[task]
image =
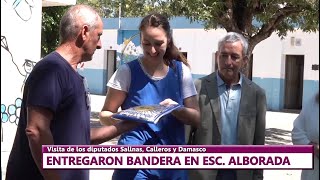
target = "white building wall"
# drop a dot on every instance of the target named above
(20, 40)
(269, 55)
(49, 3)
(20, 35)
(200, 46)
(109, 42)
(309, 47)
(267, 58)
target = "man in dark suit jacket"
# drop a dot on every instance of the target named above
(232, 108)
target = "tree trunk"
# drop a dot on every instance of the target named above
(247, 68)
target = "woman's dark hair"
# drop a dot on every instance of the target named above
(160, 21)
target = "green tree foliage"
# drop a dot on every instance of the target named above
(255, 19)
(127, 8)
(51, 17)
(107, 8)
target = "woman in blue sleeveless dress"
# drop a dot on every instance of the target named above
(160, 76)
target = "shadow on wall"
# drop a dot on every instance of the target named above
(276, 136)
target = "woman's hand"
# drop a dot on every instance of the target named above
(188, 114)
(168, 102)
(114, 99)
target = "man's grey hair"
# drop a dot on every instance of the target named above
(232, 37)
(74, 19)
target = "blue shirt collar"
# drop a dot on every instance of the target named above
(221, 82)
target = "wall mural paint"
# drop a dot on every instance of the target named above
(23, 8)
(27, 66)
(10, 113)
(128, 51)
(17, 54)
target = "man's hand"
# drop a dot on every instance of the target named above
(315, 148)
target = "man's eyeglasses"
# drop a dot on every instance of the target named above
(87, 93)
(234, 57)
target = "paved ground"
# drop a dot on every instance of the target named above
(278, 132)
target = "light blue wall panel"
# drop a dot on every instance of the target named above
(197, 76)
(309, 89)
(274, 89)
(97, 80)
